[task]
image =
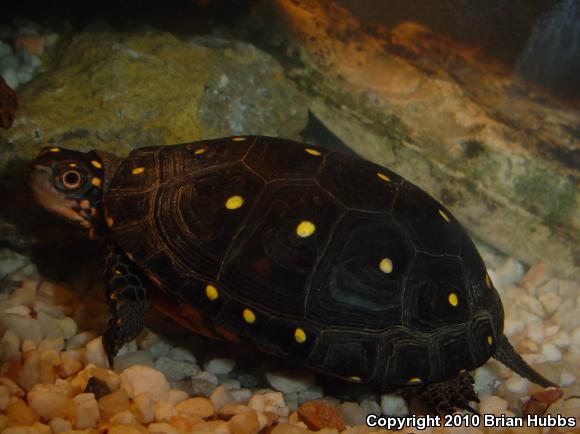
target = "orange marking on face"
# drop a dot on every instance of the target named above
(85, 204)
(96, 182)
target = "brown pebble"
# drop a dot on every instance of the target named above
(97, 387)
(29, 374)
(20, 414)
(540, 401)
(320, 414)
(245, 423)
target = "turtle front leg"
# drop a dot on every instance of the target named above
(451, 395)
(128, 300)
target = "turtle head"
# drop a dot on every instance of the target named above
(71, 184)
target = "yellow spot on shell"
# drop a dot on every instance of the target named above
(249, 316)
(354, 378)
(490, 340)
(54, 149)
(386, 265)
(72, 165)
(453, 300)
(445, 216)
(239, 139)
(487, 280)
(199, 151)
(305, 229)
(313, 151)
(234, 202)
(415, 380)
(110, 221)
(211, 292)
(138, 170)
(300, 335)
(96, 164)
(96, 182)
(383, 177)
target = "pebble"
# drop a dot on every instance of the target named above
(221, 397)
(176, 395)
(164, 411)
(320, 414)
(219, 365)
(20, 414)
(113, 403)
(144, 408)
(70, 363)
(10, 346)
(290, 381)
(23, 326)
(162, 428)
(127, 428)
(124, 417)
(29, 373)
(352, 413)
(550, 301)
(68, 327)
(394, 405)
(50, 401)
(56, 344)
(4, 397)
(139, 379)
(181, 354)
(198, 406)
(95, 353)
(241, 395)
(133, 358)
(176, 370)
(59, 425)
(86, 411)
(80, 340)
(492, 405)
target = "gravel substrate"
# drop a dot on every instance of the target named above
(55, 376)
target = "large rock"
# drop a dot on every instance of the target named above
(116, 92)
(501, 154)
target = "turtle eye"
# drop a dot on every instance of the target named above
(71, 179)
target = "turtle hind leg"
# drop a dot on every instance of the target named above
(128, 300)
(451, 395)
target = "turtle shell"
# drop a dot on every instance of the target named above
(315, 256)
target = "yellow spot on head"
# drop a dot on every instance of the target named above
(414, 380)
(453, 300)
(72, 165)
(445, 216)
(386, 265)
(109, 221)
(138, 170)
(305, 229)
(487, 280)
(234, 202)
(383, 177)
(199, 151)
(54, 149)
(96, 182)
(211, 292)
(354, 378)
(118, 272)
(239, 139)
(96, 164)
(300, 335)
(85, 204)
(313, 151)
(490, 340)
(249, 316)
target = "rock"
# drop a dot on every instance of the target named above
(181, 354)
(59, 425)
(270, 401)
(111, 404)
(80, 340)
(20, 414)
(198, 406)
(319, 414)
(219, 365)
(10, 347)
(290, 381)
(127, 428)
(70, 363)
(248, 380)
(29, 373)
(164, 411)
(231, 384)
(352, 413)
(551, 302)
(12, 386)
(286, 428)
(86, 410)
(492, 405)
(50, 325)
(111, 378)
(175, 370)
(394, 405)
(47, 344)
(139, 379)
(4, 397)
(176, 396)
(221, 397)
(144, 408)
(95, 353)
(127, 360)
(97, 387)
(50, 401)
(245, 423)
(311, 394)
(161, 428)
(24, 327)
(241, 395)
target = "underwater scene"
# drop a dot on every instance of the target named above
(290, 217)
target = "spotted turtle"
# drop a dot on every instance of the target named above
(311, 255)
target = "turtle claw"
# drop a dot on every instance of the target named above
(449, 396)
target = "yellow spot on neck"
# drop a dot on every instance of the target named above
(453, 300)
(249, 316)
(199, 151)
(96, 164)
(383, 177)
(490, 340)
(85, 204)
(138, 170)
(305, 229)
(415, 380)
(234, 202)
(110, 221)
(386, 265)
(444, 215)
(239, 139)
(96, 182)
(54, 149)
(313, 152)
(354, 378)
(300, 335)
(487, 280)
(211, 292)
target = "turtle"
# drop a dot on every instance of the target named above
(315, 256)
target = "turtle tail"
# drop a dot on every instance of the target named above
(506, 354)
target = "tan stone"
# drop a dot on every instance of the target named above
(127, 429)
(198, 406)
(113, 403)
(20, 414)
(320, 414)
(50, 401)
